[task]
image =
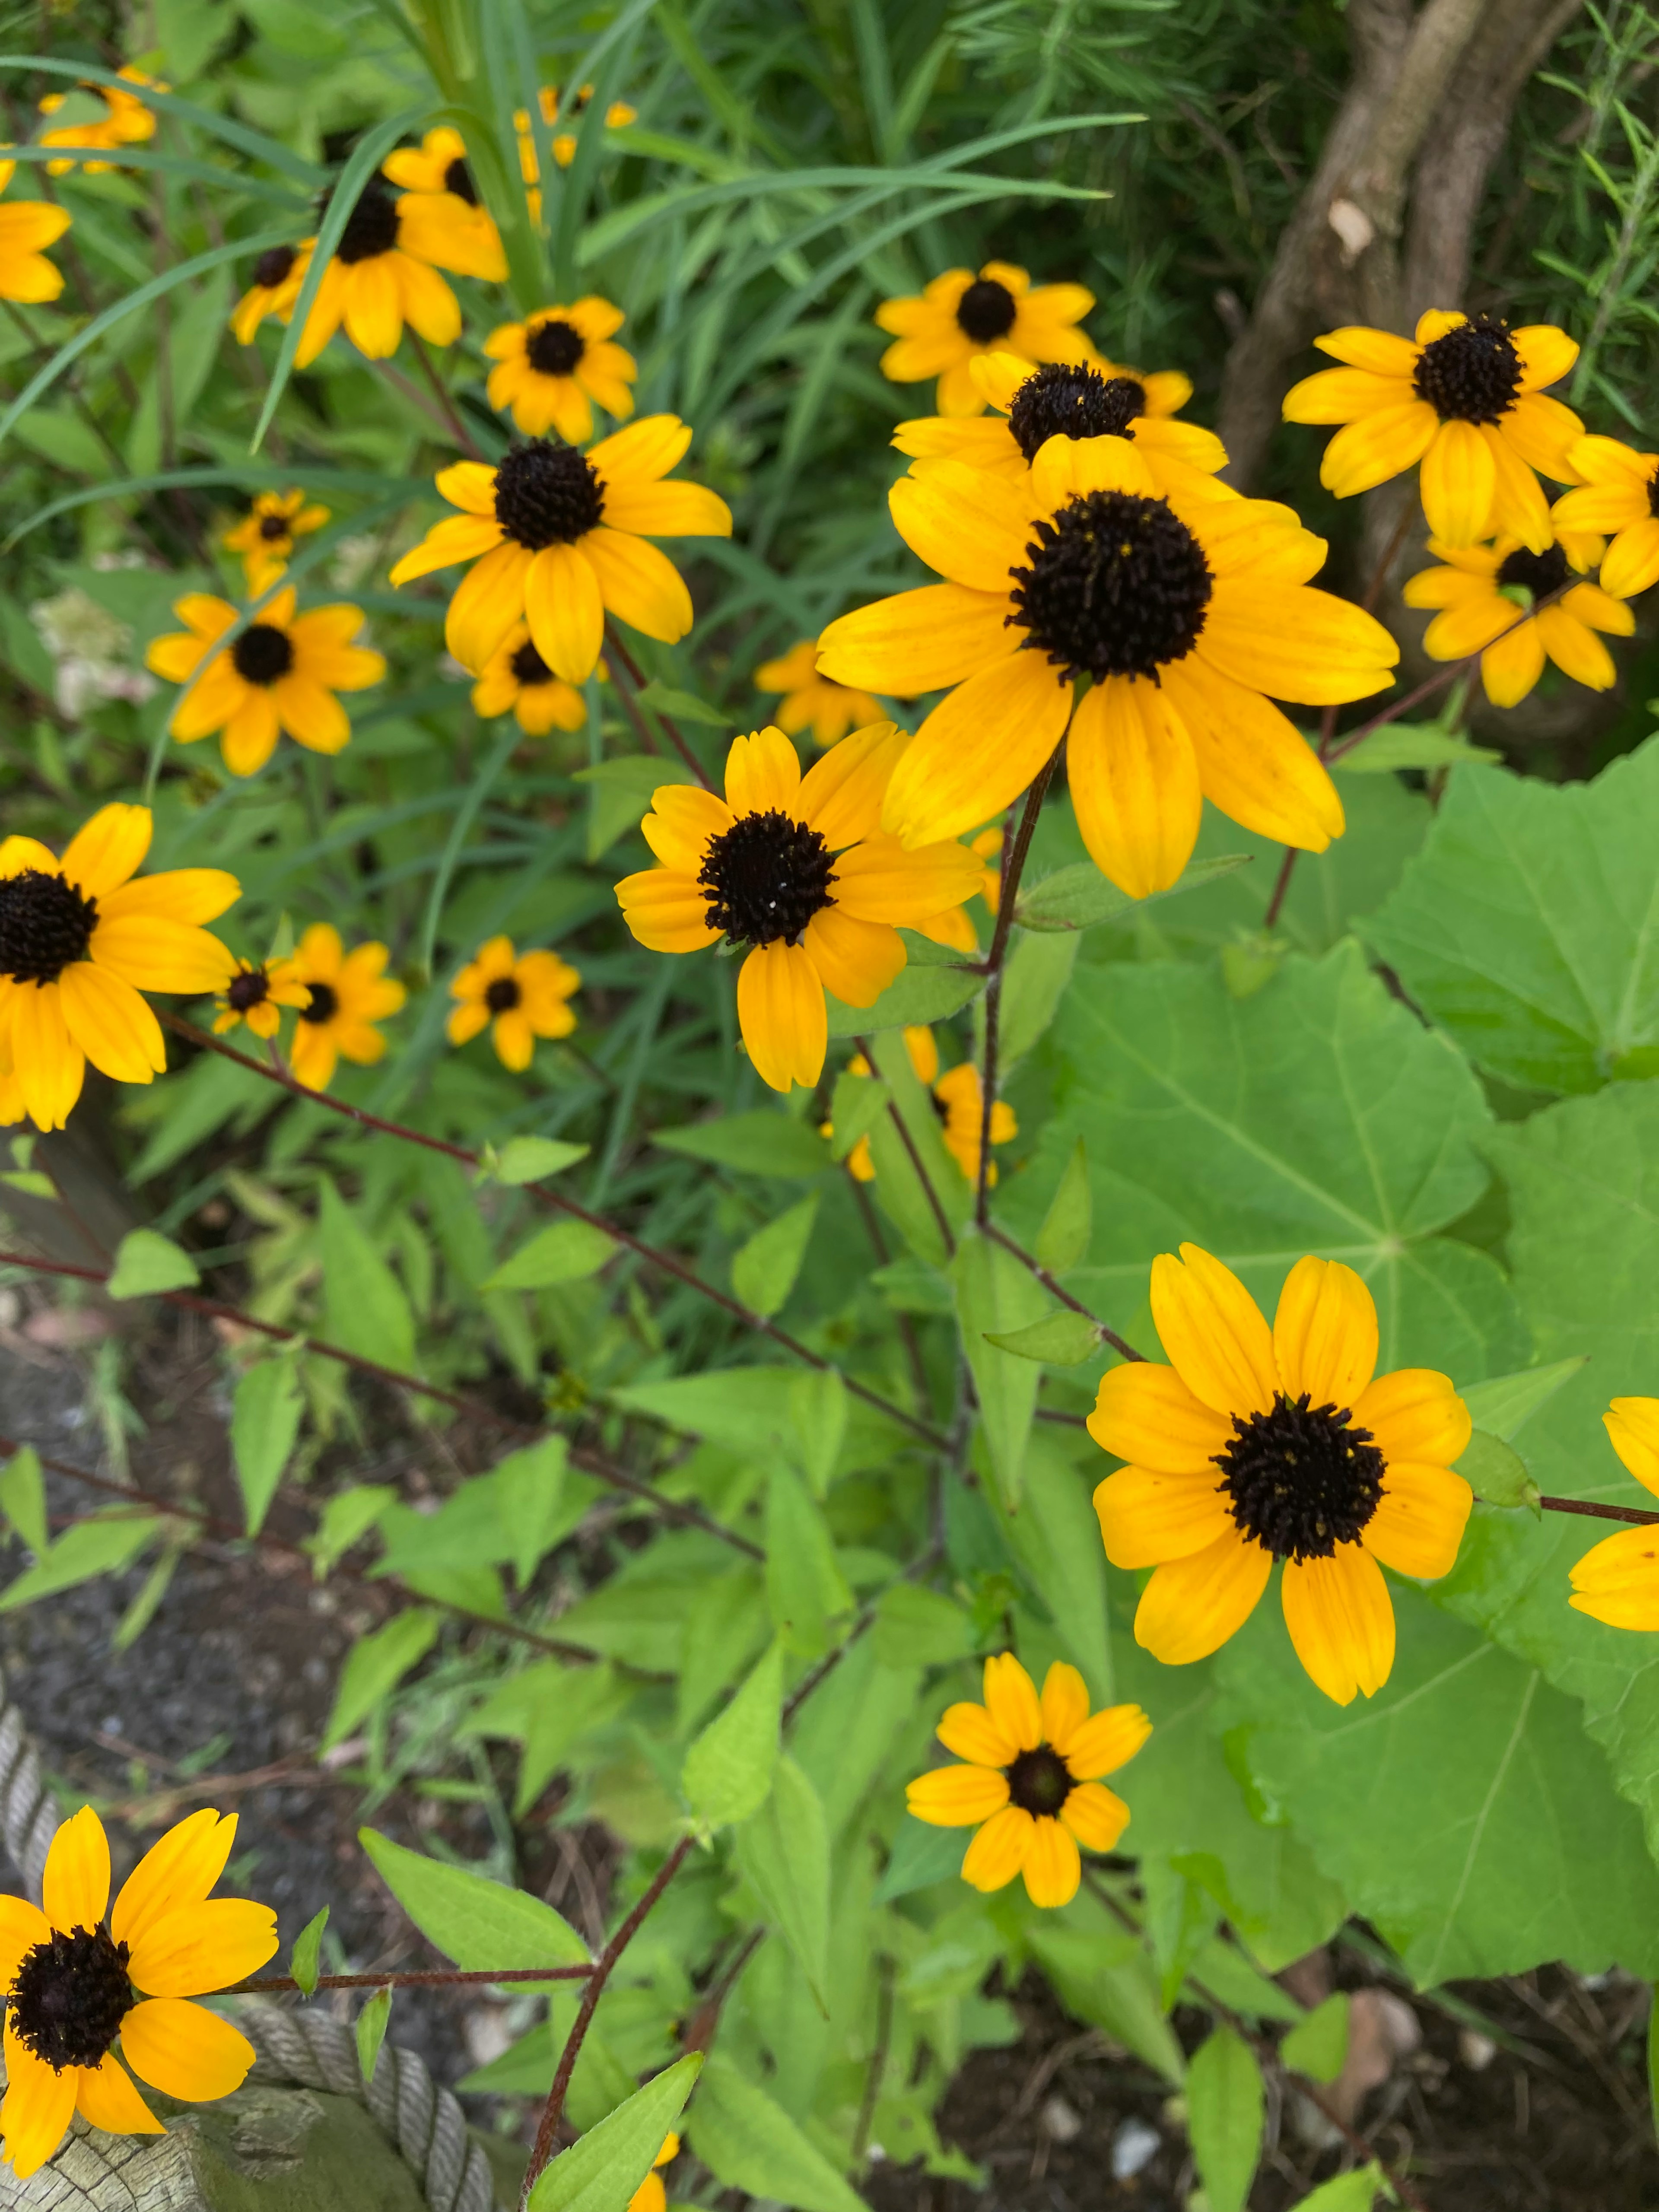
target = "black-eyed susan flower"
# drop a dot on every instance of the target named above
(1032, 1783)
(562, 540)
(958, 1100)
(515, 680)
(517, 996)
(1619, 495)
(277, 276)
(1185, 613)
(384, 272)
(812, 702)
(281, 673)
(1484, 590)
(254, 995)
(1072, 399)
(616, 116)
(79, 938)
(796, 869)
(79, 1977)
(1617, 1581)
(651, 2196)
(941, 331)
(125, 121)
(1258, 1445)
(346, 994)
(1466, 397)
(552, 367)
(26, 226)
(264, 536)
(437, 169)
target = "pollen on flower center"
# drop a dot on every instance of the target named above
(548, 493)
(1301, 1480)
(262, 654)
(45, 925)
(765, 878)
(325, 1004)
(457, 178)
(1472, 374)
(986, 310)
(1039, 1781)
(1540, 573)
(274, 266)
(248, 989)
(371, 227)
(273, 526)
(1118, 586)
(555, 347)
(528, 667)
(1062, 401)
(70, 1997)
(502, 994)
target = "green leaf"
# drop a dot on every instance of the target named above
(1224, 2118)
(749, 2143)
(102, 1544)
(1357, 2192)
(784, 1852)
(620, 793)
(752, 1410)
(1079, 897)
(1035, 983)
(1318, 2045)
(996, 1296)
(347, 1519)
(1496, 1473)
(818, 1410)
(901, 1166)
(476, 1922)
(548, 1708)
(1504, 1406)
(146, 1263)
(1061, 1338)
(1055, 1538)
(141, 1611)
(23, 1499)
(564, 1252)
(855, 1105)
(763, 1270)
(530, 1160)
(761, 1142)
(681, 707)
(603, 2169)
(1063, 1239)
(375, 1665)
(728, 1769)
(917, 1627)
(931, 986)
(529, 1488)
(804, 1586)
(1407, 744)
(1103, 1975)
(304, 1962)
(922, 1855)
(264, 1425)
(372, 2024)
(366, 1310)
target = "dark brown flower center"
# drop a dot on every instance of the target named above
(262, 654)
(324, 1004)
(248, 989)
(371, 227)
(1540, 573)
(1064, 401)
(1039, 1781)
(528, 667)
(70, 1997)
(1472, 374)
(765, 878)
(555, 347)
(457, 178)
(548, 493)
(1300, 1479)
(503, 995)
(1117, 586)
(1653, 493)
(985, 311)
(274, 267)
(273, 526)
(45, 926)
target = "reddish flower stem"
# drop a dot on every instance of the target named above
(619, 653)
(1123, 1349)
(1594, 1511)
(1013, 868)
(435, 1978)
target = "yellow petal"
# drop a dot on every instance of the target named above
(1324, 1334)
(185, 2050)
(878, 881)
(957, 1796)
(973, 528)
(665, 910)
(1458, 480)
(1135, 785)
(1011, 1699)
(1052, 1868)
(1617, 1582)
(999, 1850)
(978, 750)
(111, 847)
(74, 1888)
(640, 583)
(1064, 1702)
(840, 796)
(1146, 1518)
(202, 1946)
(1575, 648)
(643, 451)
(1419, 1519)
(1546, 354)
(457, 537)
(1191, 1607)
(153, 952)
(919, 641)
(1295, 642)
(192, 894)
(682, 820)
(1368, 453)
(469, 485)
(763, 774)
(1510, 667)
(488, 601)
(1212, 1330)
(1096, 1816)
(1415, 1414)
(1632, 1427)
(969, 1731)
(116, 1031)
(1341, 1621)
(1063, 468)
(1519, 508)
(106, 2098)
(38, 2105)
(1383, 352)
(780, 1012)
(1145, 1413)
(23, 1925)
(1345, 395)
(856, 961)
(565, 610)
(1631, 565)
(1107, 1741)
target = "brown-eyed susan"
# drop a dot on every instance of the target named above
(1186, 614)
(79, 1977)
(1485, 594)
(437, 168)
(1072, 399)
(812, 702)
(278, 274)
(281, 673)
(1032, 1785)
(517, 996)
(126, 120)
(515, 680)
(942, 331)
(254, 995)
(1257, 1445)
(558, 540)
(958, 1100)
(552, 367)
(26, 226)
(384, 272)
(651, 2196)
(346, 994)
(264, 536)
(1617, 1581)
(79, 938)
(1617, 494)
(796, 868)
(1467, 397)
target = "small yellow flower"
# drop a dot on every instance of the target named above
(516, 680)
(551, 367)
(126, 121)
(1617, 1581)
(518, 996)
(941, 331)
(1032, 1783)
(254, 995)
(617, 115)
(264, 536)
(1485, 589)
(651, 2196)
(437, 169)
(346, 994)
(281, 673)
(384, 272)
(78, 1977)
(958, 1100)
(25, 225)
(1619, 493)
(277, 276)
(812, 702)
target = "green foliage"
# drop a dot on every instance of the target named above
(146, 1263)
(1224, 2118)
(728, 1769)
(264, 1426)
(747, 2142)
(474, 1923)
(305, 1959)
(601, 2172)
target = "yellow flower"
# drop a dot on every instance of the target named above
(551, 366)
(958, 1100)
(24, 227)
(264, 536)
(1483, 589)
(518, 996)
(1465, 397)
(78, 1976)
(126, 121)
(1319, 1466)
(281, 674)
(651, 2196)
(1072, 399)
(516, 680)
(1618, 1580)
(956, 928)
(1032, 1785)
(79, 939)
(346, 993)
(562, 540)
(812, 702)
(1185, 613)
(385, 272)
(618, 114)
(277, 276)
(253, 996)
(437, 170)
(795, 868)
(941, 331)
(1620, 493)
